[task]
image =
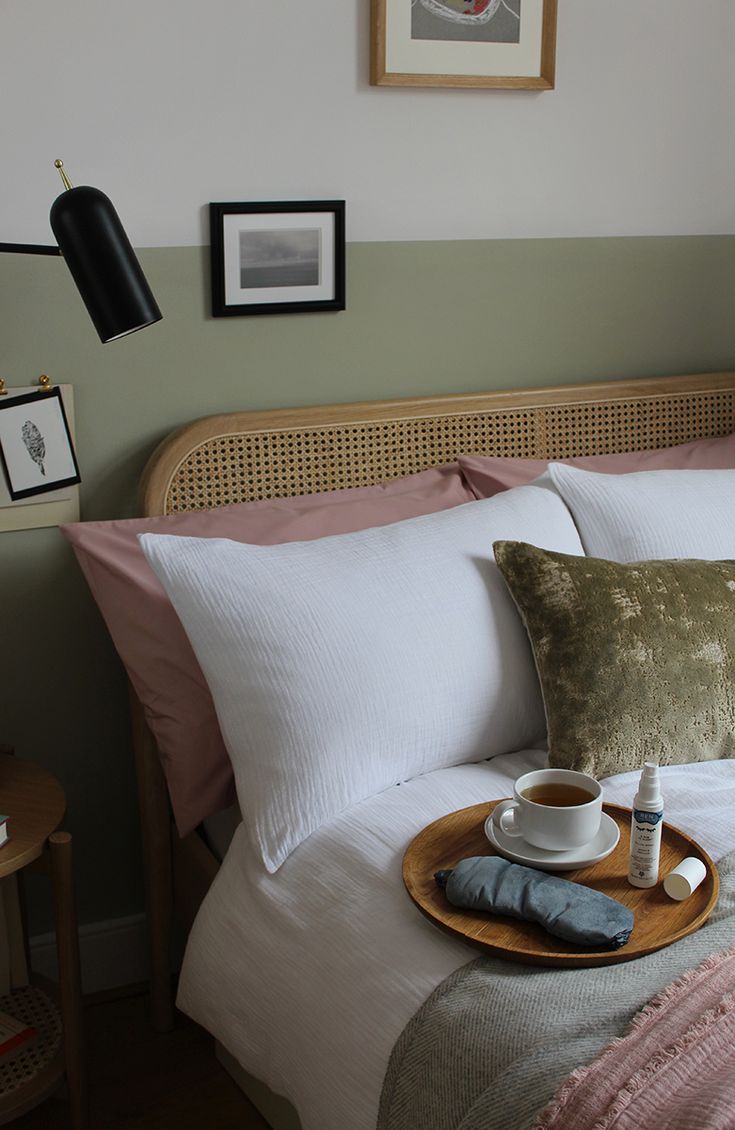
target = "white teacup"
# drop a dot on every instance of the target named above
(554, 809)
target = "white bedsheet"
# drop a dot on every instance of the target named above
(308, 976)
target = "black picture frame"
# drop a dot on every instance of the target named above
(277, 257)
(35, 441)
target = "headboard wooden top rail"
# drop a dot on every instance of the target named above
(243, 456)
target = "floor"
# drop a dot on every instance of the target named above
(149, 1081)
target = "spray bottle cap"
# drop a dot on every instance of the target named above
(649, 789)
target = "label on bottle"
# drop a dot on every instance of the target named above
(645, 846)
(642, 817)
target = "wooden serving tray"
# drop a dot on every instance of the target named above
(659, 920)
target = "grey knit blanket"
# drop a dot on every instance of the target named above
(494, 1041)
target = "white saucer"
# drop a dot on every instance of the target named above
(517, 850)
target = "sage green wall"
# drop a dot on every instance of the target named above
(422, 318)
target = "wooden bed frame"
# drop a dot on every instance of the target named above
(243, 456)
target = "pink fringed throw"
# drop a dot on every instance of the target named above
(674, 1068)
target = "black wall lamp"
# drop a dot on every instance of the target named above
(101, 259)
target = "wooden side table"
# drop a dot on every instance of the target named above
(35, 804)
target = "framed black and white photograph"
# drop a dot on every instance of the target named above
(35, 444)
(277, 258)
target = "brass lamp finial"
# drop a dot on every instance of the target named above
(59, 164)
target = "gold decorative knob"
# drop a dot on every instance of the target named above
(59, 164)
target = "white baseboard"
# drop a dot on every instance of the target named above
(112, 953)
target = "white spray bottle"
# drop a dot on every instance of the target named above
(645, 829)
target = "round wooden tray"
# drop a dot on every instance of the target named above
(659, 920)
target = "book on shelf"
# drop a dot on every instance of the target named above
(4, 833)
(15, 1036)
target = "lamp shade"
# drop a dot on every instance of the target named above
(102, 262)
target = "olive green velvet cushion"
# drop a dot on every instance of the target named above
(636, 661)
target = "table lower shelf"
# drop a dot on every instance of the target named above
(35, 1072)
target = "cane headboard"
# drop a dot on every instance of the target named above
(244, 456)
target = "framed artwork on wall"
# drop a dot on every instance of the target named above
(36, 445)
(506, 44)
(277, 258)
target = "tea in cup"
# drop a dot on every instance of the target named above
(553, 809)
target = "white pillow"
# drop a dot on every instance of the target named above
(650, 515)
(341, 666)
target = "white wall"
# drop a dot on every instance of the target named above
(168, 104)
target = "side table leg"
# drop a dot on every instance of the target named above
(70, 981)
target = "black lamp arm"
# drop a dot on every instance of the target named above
(30, 249)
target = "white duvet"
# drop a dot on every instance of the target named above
(308, 976)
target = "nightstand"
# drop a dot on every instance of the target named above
(35, 804)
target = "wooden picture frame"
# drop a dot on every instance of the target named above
(499, 44)
(282, 257)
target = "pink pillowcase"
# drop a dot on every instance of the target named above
(152, 643)
(488, 474)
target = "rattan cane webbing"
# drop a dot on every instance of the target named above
(240, 467)
(31, 1006)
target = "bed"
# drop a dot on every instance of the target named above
(351, 960)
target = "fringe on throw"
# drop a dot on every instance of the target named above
(639, 1026)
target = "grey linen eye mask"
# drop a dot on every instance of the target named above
(567, 910)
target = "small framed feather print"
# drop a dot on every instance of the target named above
(36, 445)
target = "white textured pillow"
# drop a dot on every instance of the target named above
(341, 666)
(651, 514)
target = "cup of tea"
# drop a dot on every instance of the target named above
(554, 809)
